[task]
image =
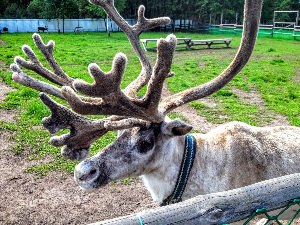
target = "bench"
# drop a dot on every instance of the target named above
(211, 42)
(180, 41)
(78, 29)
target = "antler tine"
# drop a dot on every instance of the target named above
(83, 131)
(165, 51)
(58, 76)
(144, 24)
(113, 101)
(133, 33)
(47, 51)
(252, 12)
(104, 83)
(124, 123)
(22, 78)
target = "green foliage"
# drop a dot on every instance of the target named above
(49, 9)
(90, 10)
(200, 10)
(14, 11)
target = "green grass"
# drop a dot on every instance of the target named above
(271, 71)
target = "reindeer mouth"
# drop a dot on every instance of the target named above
(88, 176)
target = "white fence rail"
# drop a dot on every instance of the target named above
(31, 25)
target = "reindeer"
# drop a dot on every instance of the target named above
(149, 144)
(45, 28)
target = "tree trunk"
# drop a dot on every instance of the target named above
(221, 20)
(58, 27)
(63, 24)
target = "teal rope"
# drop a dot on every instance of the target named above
(141, 220)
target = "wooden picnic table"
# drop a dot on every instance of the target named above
(211, 42)
(189, 42)
(180, 41)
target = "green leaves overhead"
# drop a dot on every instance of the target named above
(200, 10)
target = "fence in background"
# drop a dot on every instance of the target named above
(31, 25)
(264, 30)
(71, 25)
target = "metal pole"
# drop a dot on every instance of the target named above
(273, 23)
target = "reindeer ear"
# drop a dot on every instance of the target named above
(175, 128)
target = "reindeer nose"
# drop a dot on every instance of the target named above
(86, 172)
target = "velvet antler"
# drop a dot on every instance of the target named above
(103, 96)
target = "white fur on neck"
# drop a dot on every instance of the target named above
(161, 182)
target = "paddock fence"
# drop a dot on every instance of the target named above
(284, 32)
(237, 206)
(31, 25)
(93, 25)
(86, 25)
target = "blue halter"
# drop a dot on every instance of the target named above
(184, 172)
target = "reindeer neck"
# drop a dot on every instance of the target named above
(161, 181)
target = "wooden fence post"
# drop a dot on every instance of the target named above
(220, 208)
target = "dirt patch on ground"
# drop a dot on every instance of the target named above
(4, 90)
(55, 199)
(199, 123)
(8, 116)
(254, 98)
(6, 142)
(2, 43)
(296, 78)
(3, 67)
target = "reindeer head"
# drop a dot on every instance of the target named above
(137, 151)
(142, 122)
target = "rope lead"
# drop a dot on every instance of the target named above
(140, 219)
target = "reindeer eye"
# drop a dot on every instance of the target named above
(145, 145)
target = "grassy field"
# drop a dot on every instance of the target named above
(273, 71)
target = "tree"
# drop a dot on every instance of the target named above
(14, 11)
(53, 9)
(87, 9)
(13, 8)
